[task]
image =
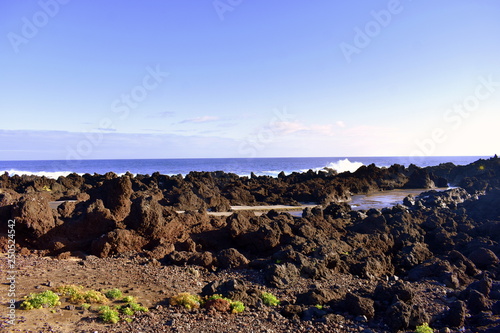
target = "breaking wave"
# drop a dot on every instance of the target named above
(342, 166)
(47, 174)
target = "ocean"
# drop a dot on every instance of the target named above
(239, 166)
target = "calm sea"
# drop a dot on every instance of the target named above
(240, 166)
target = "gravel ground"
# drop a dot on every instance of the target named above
(153, 284)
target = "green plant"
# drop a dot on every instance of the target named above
(85, 306)
(72, 292)
(186, 300)
(127, 311)
(237, 307)
(269, 299)
(129, 320)
(319, 306)
(76, 294)
(129, 299)
(108, 315)
(424, 328)
(37, 301)
(216, 296)
(93, 296)
(114, 293)
(138, 307)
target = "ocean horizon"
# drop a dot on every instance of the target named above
(268, 166)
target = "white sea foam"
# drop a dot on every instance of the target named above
(47, 174)
(340, 166)
(345, 165)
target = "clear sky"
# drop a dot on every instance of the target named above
(248, 78)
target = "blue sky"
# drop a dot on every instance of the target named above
(238, 78)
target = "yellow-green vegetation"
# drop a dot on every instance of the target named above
(129, 309)
(46, 188)
(424, 328)
(186, 300)
(126, 306)
(129, 299)
(319, 306)
(108, 315)
(114, 293)
(77, 294)
(236, 306)
(269, 299)
(137, 307)
(40, 300)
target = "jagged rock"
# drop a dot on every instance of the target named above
(315, 297)
(484, 258)
(115, 193)
(312, 313)
(398, 316)
(117, 241)
(360, 306)
(239, 223)
(420, 178)
(281, 276)
(291, 311)
(234, 289)
(455, 316)
(231, 258)
(97, 220)
(33, 216)
(476, 302)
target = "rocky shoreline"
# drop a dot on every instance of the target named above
(433, 259)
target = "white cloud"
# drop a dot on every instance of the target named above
(203, 119)
(341, 124)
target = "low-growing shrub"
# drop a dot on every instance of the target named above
(72, 292)
(76, 294)
(237, 307)
(93, 296)
(40, 300)
(127, 311)
(424, 328)
(234, 306)
(137, 307)
(129, 299)
(108, 315)
(269, 299)
(186, 300)
(114, 293)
